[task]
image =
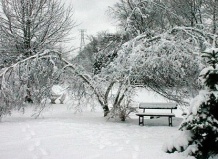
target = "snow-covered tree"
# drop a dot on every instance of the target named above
(100, 51)
(167, 63)
(149, 16)
(165, 37)
(200, 128)
(108, 91)
(41, 70)
(31, 26)
(137, 17)
(190, 11)
(211, 8)
(107, 50)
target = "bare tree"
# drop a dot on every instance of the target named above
(29, 26)
(211, 9)
(140, 16)
(189, 10)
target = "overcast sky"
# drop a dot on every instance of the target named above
(90, 14)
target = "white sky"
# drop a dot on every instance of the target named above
(90, 14)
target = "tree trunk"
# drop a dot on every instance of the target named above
(105, 107)
(214, 16)
(106, 110)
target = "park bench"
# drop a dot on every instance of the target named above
(164, 106)
(56, 96)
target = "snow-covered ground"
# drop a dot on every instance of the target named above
(62, 134)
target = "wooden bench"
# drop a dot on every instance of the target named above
(54, 97)
(169, 106)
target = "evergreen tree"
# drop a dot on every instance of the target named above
(201, 125)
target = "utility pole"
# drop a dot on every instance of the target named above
(82, 42)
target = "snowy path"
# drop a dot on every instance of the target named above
(62, 134)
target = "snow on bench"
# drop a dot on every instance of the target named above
(61, 97)
(144, 106)
(54, 97)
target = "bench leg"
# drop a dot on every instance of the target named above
(53, 101)
(170, 121)
(141, 120)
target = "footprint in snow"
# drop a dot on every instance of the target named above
(119, 149)
(37, 143)
(29, 133)
(115, 144)
(24, 129)
(35, 157)
(136, 148)
(37, 151)
(135, 155)
(101, 147)
(32, 133)
(28, 137)
(31, 148)
(127, 141)
(44, 152)
(35, 147)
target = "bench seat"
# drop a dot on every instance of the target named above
(155, 114)
(159, 106)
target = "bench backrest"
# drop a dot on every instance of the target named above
(157, 106)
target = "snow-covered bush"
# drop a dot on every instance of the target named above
(32, 77)
(201, 125)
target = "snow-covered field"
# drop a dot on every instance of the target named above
(61, 134)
